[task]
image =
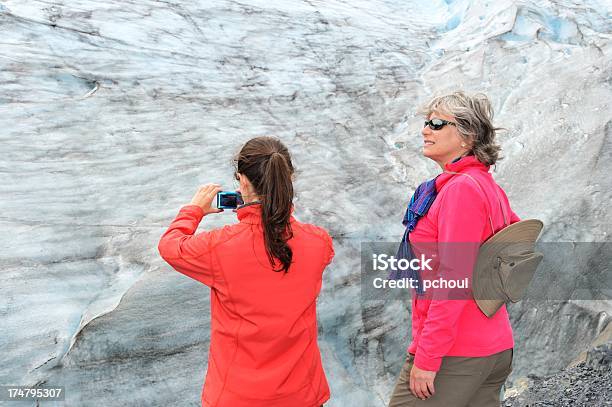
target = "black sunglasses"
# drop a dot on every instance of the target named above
(437, 124)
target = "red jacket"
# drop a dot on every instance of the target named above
(459, 214)
(263, 344)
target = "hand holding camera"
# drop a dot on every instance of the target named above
(205, 196)
(209, 193)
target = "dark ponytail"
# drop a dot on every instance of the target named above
(267, 164)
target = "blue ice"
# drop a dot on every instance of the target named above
(530, 23)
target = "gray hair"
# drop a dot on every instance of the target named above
(474, 115)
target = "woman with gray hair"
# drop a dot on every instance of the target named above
(458, 356)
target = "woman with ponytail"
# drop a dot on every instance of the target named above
(265, 274)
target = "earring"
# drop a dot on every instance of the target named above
(462, 144)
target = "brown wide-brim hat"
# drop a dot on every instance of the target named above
(506, 264)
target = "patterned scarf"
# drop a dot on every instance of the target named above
(418, 206)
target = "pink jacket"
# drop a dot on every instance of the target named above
(459, 214)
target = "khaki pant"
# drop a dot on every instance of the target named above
(461, 382)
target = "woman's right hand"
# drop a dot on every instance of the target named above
(204, 197)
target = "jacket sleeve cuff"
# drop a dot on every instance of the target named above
(425, 363)
(194, 210)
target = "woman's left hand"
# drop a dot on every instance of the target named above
(204, 197)
(422, 382)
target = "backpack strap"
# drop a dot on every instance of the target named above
(506, 223)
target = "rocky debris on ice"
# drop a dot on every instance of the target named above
(586, 384)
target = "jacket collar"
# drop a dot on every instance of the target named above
(464, 164)
(251, 213)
